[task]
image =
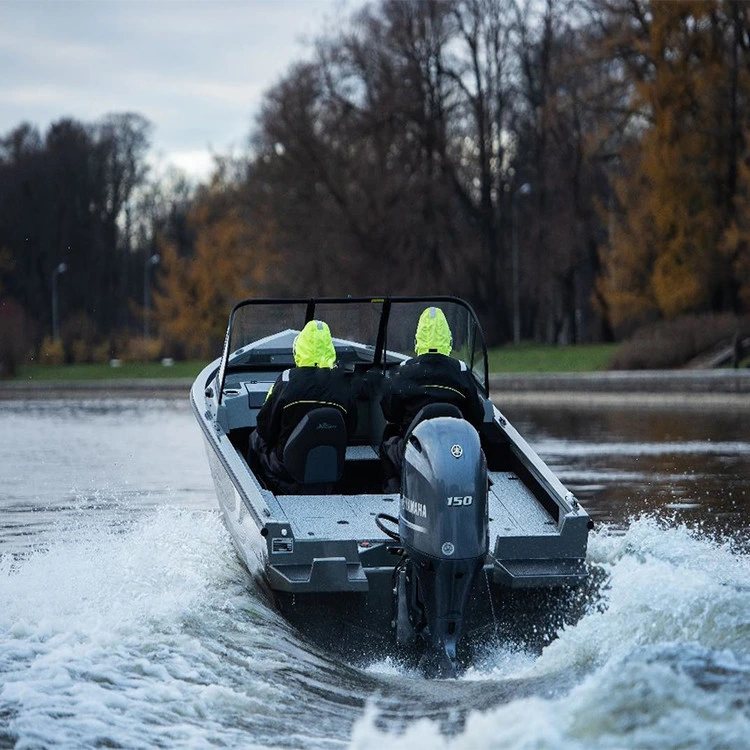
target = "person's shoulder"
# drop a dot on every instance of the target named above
(444, 361)
(323, 375)
(286, 376)
(338, 375)
(404, 366)
(281, 380)
(297, 377)
(462, 366)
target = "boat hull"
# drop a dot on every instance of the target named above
(328, 567)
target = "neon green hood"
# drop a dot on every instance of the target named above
(433, 333)
(313, 346)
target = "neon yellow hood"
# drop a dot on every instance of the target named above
(433, 333)
(313, 346)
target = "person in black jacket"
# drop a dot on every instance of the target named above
(313, 383)
(432, 376)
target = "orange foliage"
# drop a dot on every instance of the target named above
(666, 255)
(230, 262)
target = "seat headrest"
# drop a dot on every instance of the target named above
(316, 449)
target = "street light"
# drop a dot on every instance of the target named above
(147, 266)
(524, 189)
(59, 268)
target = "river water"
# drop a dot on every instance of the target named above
(126, 619)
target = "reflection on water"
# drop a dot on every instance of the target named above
(73, 457)
(61, 461)
(693, 466)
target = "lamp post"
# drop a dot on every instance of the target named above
(59, 268)
(524, 189)
(147, 266)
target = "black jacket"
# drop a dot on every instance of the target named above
(298, 391)
(427, 379)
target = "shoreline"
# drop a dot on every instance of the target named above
(634, 401)
(642, 389)
(628, 381)
(631, 389)
(172, 388)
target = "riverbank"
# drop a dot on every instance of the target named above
(668, 388)
(723, 388)
(165, 388)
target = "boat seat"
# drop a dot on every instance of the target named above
(315, 452)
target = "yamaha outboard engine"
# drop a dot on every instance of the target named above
(443, 527)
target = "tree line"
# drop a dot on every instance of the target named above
(574, 169)
(79, 216)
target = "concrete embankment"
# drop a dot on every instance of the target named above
(680, 388)
(176, 388)
(644, 388)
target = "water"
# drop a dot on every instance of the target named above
(127, 621)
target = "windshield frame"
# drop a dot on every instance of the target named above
(380, 349)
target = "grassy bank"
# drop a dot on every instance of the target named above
(522, 358)
(126, 371)
(536, 358)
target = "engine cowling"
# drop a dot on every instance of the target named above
(443, 526)
(443, 510)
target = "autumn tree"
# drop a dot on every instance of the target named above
(675, 246)
(231, 259)
(349, 150)
(396, 155)
(557, 157)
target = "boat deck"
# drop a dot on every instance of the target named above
(513, 511)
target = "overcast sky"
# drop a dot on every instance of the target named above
(196, 69)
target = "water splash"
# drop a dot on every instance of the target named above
(113, 638)
(150, 633)
(663, 658)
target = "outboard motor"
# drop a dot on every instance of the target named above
(443, 527)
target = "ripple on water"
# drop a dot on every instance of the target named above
(133, 624)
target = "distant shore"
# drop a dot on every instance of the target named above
(721, 388)
(651, 389)
(165, 388)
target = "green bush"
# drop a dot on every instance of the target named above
(139, 349)
(51, 352)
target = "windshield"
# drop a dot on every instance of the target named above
(366, 331)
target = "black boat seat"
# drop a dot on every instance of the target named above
(315, 452)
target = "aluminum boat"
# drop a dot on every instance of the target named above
(426, 573)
